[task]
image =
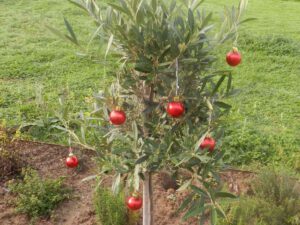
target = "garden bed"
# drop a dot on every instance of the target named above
(49, 161)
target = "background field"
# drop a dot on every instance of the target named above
(36, 68)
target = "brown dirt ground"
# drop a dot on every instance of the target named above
(49, 159)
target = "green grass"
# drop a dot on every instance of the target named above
(264, 124)
(274, 17)
(34, 61)
(269, 101)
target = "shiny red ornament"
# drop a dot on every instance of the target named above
(134, 202)
(72, 161)
(233, 57)
(117, 116)
(208, 143)
(175, 108)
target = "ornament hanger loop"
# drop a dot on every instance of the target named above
(118, 88)
(70, 142)
(235, 43)
(177, 76)
(210, 115)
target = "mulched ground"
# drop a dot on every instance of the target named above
(49, 160)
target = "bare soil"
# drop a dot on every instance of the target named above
(49, 160)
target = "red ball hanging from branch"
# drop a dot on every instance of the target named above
(233, 57)
(175, 108)
(134, 202)
(208, 143)
(72, 161)
(117, 116)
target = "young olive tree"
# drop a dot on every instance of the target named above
(169, 93)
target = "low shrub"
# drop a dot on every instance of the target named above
(110, 209)
(37, 197)
(275, 201)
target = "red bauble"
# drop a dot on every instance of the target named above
(134, 202)
(117, 116)
(233, 58)
(72, 161)
(175, 108)
(208, 143)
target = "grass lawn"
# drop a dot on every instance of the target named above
(36, 68)
(35, 63)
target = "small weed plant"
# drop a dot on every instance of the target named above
(37, 197)
(110, 208)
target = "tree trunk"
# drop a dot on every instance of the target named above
(147, 199)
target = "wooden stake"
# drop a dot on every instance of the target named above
(147, 199)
